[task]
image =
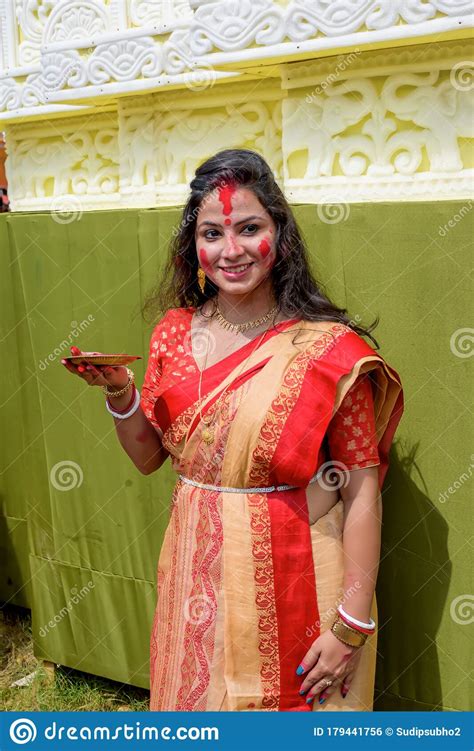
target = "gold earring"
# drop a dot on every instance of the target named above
(201, 278)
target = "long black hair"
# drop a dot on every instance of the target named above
(296, 292)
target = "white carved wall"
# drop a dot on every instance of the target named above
(116, 102)
(386, 126)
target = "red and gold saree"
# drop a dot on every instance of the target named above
(245, 582)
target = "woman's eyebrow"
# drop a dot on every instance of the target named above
(241, 221)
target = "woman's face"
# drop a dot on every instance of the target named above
(235, 239)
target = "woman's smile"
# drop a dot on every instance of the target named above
(236, 272)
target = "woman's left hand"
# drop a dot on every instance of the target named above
(328, 658)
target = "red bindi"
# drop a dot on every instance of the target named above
(264, 248)
(227, 221)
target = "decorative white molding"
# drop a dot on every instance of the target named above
(232, 26)
(364, 123)
(179, 38)
(76, 20)
(115, 112)
(418, 58)
(337, 191)
(444, 113)
(53, 162)
(159, 13)
(153, 148)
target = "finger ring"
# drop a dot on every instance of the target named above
(328, 683)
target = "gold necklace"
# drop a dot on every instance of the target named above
(238, 327)
(208, 432)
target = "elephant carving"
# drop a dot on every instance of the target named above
(444, 111)
(313, 123)
(184, 145)
(37, 163)
(138, 151)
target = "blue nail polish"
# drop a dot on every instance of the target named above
(300, 670)
(301, 693)
(309, 699)
(322, 699)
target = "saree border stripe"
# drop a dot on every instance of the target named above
(175, 434)
(199, 634)
(217, 692)
(180, 641)
(242, 657)
(260, 528)
(161, 644)
(295, 590)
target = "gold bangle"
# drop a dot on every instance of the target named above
(346, 634)
(131, 378)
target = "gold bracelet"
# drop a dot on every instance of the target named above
(346, 634)
(131, 379)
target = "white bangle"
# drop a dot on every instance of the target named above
(131, 411)
(354, 621)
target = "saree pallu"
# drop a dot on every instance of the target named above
(245, 582)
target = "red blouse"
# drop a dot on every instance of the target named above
(350, 438)
(351, 434)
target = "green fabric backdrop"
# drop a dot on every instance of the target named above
(84, 559)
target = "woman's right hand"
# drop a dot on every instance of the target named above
(114, 376)
(137, 435)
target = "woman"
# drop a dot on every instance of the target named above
(278, 417)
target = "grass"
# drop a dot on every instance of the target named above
(69, 690)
